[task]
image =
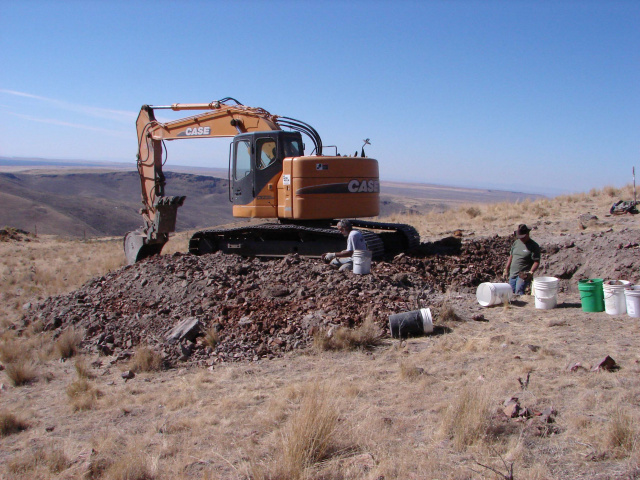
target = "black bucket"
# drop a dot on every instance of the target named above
(411, 324)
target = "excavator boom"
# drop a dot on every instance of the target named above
(159, 211)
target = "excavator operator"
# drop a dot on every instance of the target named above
(355, 241)
(267, 155)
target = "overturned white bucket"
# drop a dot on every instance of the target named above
(361, 262)
(546, 292)
(632, 295)
(493, 293)
(615, 302)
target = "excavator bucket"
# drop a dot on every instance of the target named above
(136, 247)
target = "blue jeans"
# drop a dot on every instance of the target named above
(345, 263)
(518, 285)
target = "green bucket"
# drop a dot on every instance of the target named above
(591, 295)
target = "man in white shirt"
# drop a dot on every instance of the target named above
(355, 241)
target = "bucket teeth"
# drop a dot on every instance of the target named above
(138, 247)
(172, 200)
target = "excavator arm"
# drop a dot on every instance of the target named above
(221, 119)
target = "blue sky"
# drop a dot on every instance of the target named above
(531, 96)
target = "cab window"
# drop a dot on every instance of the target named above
(266, 148)
(242, 163)
(292, 148)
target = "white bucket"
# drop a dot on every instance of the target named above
(614, 299)
(632, 294)
(361, 262)
(493, 293)
(546, 292)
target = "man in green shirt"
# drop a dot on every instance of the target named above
(523, 261)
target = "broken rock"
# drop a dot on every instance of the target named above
(607, 363)
(576, 367)
(512, 410)
(187, 329)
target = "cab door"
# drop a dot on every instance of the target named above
(268, 168)
(242, 172)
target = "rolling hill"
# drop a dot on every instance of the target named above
(94, 202)
(99, 204)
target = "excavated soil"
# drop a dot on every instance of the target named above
(262, 309)
(15, 234)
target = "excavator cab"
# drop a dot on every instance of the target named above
(255, 166)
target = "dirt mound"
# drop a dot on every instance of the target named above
(15, 234)
(608, 255)
(259, 308)
(263, 308)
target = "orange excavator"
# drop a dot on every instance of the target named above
(270, 177)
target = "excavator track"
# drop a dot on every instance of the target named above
(278, 240)
(396, 237)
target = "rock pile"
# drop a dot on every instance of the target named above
(14, 234)
(257, 308)
(606, 254)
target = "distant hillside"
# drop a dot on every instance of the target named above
(98, 204)
(93, 202)
(417, 197)
(28, 162)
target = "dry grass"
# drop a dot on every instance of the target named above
(83, 370)
(130, 466)
(67, 344)
(145, 360)
(503, 217)
(40, 462)
(539, 211)
(50, 266)
(611, 191)
(367, 335)
(21, 372)
(467, 420)
(473, 212)
(621, 433)
(408, 371)
(11, 350)
(448, 315)
(212, 337)
(118, 458)
(310, 435)
(83, 395)
(10, 424)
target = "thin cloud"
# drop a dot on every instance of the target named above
(53, 121)
(117, 115)
(21, 94)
